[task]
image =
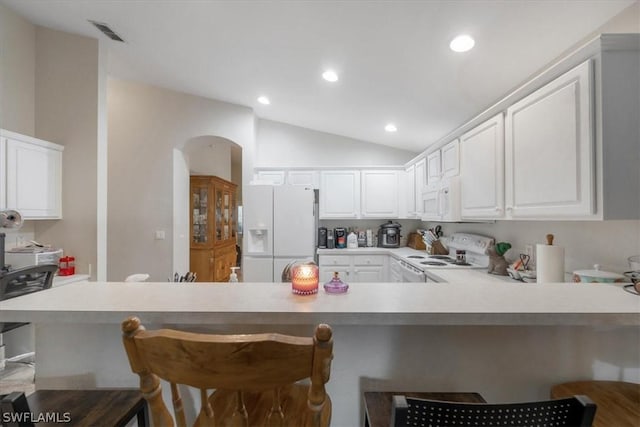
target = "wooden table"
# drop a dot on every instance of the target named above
(377, 404)
(89, 407)
(618, 402)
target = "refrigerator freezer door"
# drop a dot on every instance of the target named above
(255, 269)
(293, 222)
(258, 220)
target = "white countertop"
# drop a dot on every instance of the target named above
(461, 275)
(65, 280)
(477, 302)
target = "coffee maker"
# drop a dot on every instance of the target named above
(389, 235)
(322, 237)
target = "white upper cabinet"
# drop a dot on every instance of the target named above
(434, 167)
(482, 170)
(307, 178)
(380, 194)
(420, 184)
(269, 177)
(408, 193)
(33, 180)
(450, 154)
(339, 194)
(549, 167)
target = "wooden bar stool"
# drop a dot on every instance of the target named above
(618, 402)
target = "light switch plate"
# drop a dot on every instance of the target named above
(159, 234)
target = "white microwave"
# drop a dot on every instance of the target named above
(441, 201)
(27, 259)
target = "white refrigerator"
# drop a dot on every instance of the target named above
(279, 227)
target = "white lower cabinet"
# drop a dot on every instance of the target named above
(482, 170)
(32, 174)
(354, 268)
(549, 150)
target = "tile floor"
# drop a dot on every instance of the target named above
(18, 376)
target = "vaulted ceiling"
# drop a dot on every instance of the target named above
(392, 57)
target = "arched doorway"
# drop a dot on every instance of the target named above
(202, 155)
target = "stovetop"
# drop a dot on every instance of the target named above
(439, 261)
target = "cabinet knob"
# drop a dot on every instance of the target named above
(498, 209)
(509, 208)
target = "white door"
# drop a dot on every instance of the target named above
(34, 180)
(421, 182)
(257, 269)
(431, 203)
(380, 194)
(339, 194)
(482, 170)
(434, 167)
(451, 159)
(258, 220)
(549, 150)
(293, 222)
(368, 274)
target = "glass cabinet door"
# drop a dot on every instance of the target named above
(219, 212)
(200, 213)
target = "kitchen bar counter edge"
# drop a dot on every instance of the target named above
(474, 303)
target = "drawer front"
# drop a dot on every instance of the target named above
(369, 259)
(335, 260)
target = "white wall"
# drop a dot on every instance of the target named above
(209, 155)
(283, 145)
(146, 124)
(17, 73)
(66, 100)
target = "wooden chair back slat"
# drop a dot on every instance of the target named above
(178, 408)
(275, 417)
(196, 359)
(254, 376)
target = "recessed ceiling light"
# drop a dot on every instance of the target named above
(330, 76)
(462, 43)
(264, 100)
(390, 127)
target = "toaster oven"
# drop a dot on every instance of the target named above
(20, 258)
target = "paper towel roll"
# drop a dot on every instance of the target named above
(549, 264)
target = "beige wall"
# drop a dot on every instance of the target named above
(66, 99)
(145, 124)
(17, 73)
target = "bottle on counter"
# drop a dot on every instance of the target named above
(233, 277)
(352, 241)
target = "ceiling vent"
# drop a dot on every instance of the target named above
(107, 31)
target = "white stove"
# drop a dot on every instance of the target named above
(473, 245)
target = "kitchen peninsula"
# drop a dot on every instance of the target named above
(506, 341)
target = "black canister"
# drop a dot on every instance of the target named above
(322, 237)
(340, 236)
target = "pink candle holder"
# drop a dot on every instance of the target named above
(304, 279)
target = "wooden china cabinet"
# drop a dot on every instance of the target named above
(213, 228)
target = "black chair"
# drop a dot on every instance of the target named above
(576, 411)
(25, 281)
